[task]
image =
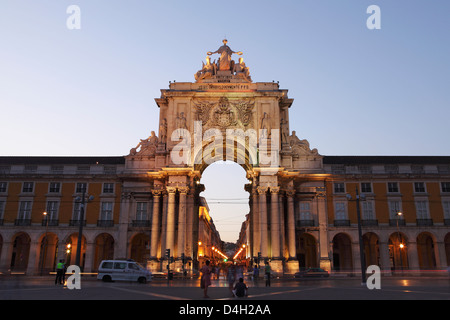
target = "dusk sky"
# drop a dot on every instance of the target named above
(356, 91)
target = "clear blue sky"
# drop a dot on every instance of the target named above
(356, 91)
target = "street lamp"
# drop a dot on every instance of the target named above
(80, 230)
(44, 242)
(401, 245)
(361, 244)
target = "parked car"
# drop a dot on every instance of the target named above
(312, 273)
(123, 270)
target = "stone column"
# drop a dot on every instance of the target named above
(292, 265)
(170, 229)
(190, 225)
(155, 224)
(33, 258)
(5, 258)
(263, 221)
(182, 221)
(325, 261)
(122, 242)
(89, 257)
(291, 224)
(275, 223)
(384, 258)
(255, 221)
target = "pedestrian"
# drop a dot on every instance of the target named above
(240, 289)
(267, 274)
(59, 272)
(255, 274)
(231, 276)
(205, 280)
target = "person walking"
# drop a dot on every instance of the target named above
(205, 280)
(267, 274)
(59, 272)
(231, 276)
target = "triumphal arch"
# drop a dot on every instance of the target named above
(224, 115)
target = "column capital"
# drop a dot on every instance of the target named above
(321, 192)
(171, 189)
(290, 193)
(274, 190)
(157, 192)
(262, 190)
(183, 190)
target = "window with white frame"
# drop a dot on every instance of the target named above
(25, 210)
(366, 187)
(52, 210)
(3, 186)
(422, 209)
(445, 186)
(2, 209)
(55, 187)
(81, 186)
(339, 187)
(446, 207)
(305, 210)
(395, 206)
(367, 210)
(108, 188)
(27, 187)
(419, 187)
(76, 211)
(393, 187)
(340, 212)
(106, 213)
(141, 211)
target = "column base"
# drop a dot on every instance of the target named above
(154, 265)
(291, 267)
(325, 264)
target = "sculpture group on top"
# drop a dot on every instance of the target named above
(225, 65)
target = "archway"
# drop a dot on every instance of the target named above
(398, 252)
(104, 249)
(71, 250)
(47, 253)
(306, 251)
(447, 248)
(226, 197)
(426, 251)
(342, 253)
(371, 249)
(20, 252)
(139, 249)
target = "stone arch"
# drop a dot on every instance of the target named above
(398, 251)
(371, 248)
(342, 252)
(447, 248)
(426, 251)
(20, 252)
(139, 247)
(103, 250)
(48, 249)
(306, 251)
(71, 245)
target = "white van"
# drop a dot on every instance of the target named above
(125, 270)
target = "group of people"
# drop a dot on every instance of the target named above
(234, 276)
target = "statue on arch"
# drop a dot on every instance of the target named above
(241, 70)
(207, 71)
(225, 63)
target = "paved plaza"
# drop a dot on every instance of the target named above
(392, 288)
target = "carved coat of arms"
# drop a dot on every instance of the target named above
(225, 113)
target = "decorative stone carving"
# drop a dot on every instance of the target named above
(300, 147)
(242, 71)
(224, 113)
(207, 70)
(147, 146)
